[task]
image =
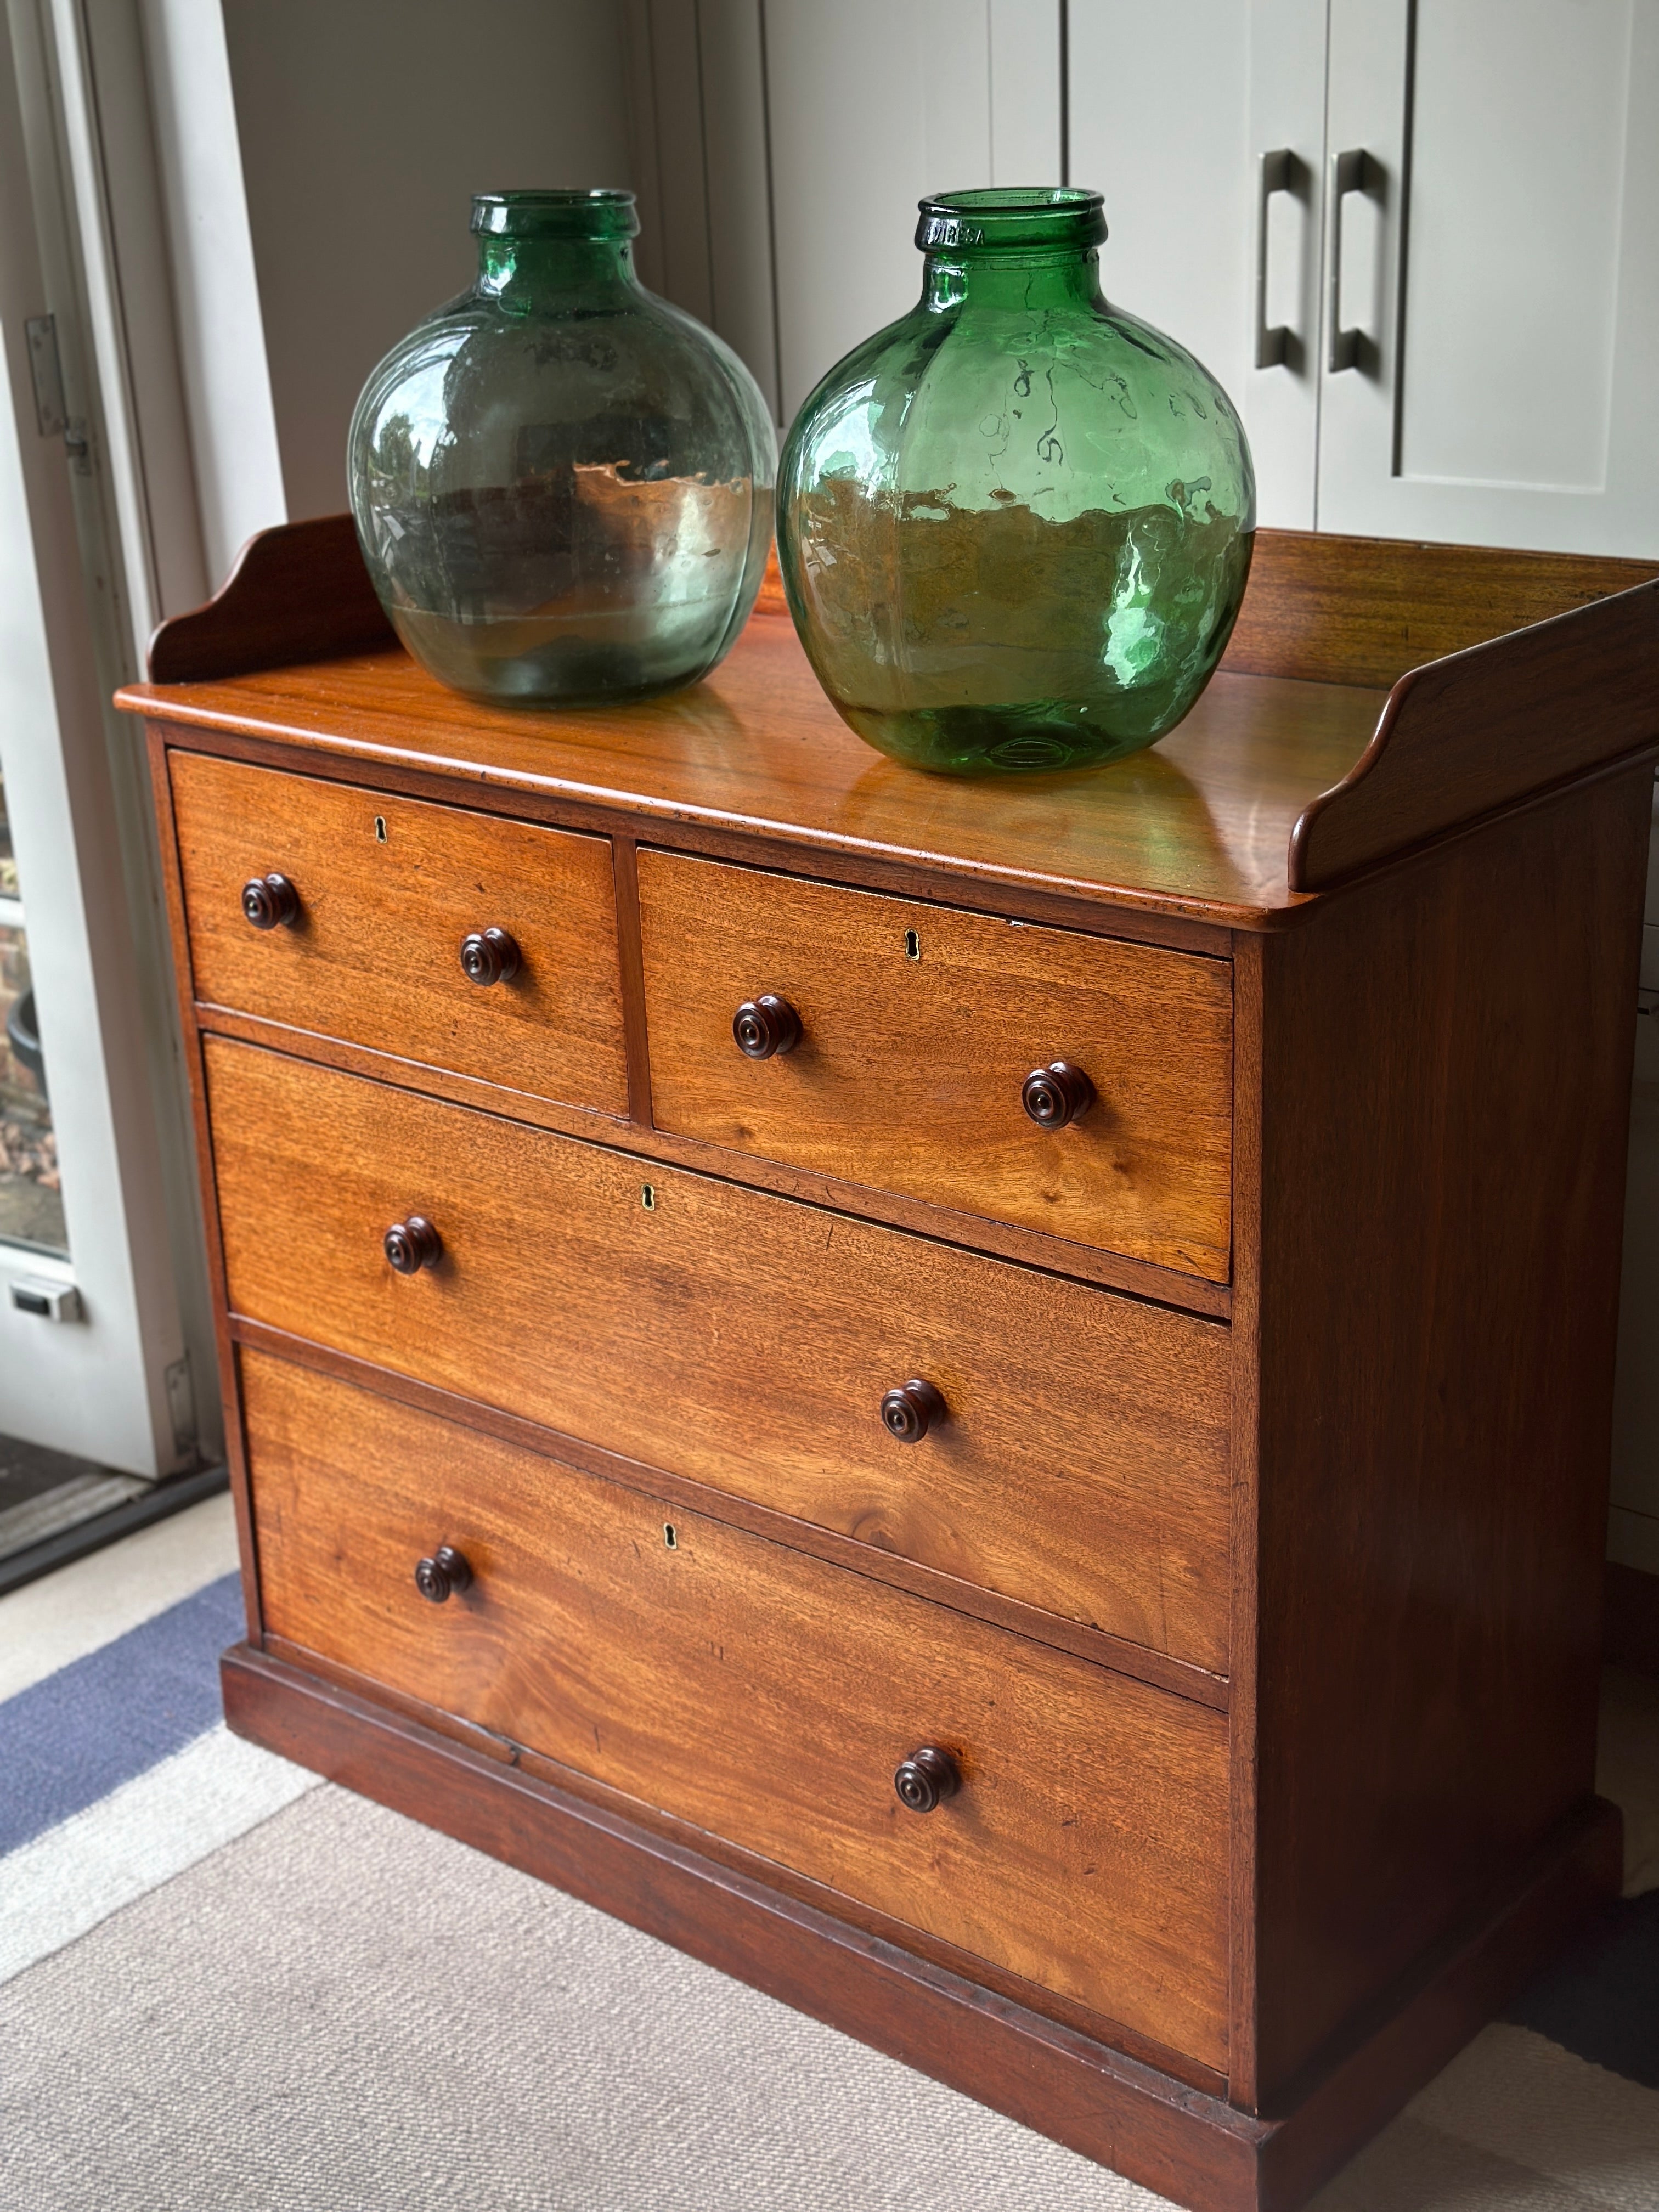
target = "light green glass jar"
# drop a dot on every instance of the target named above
(1015, 527)
(562, 485)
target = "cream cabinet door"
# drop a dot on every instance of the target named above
(1206, 131)
(871, 105)
(780, 152)
(1491, 310)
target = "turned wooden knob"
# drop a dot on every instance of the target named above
(490, 956)
(927, 1779)
(764, 1026)
(1056, 1094)
(270, 902)
(446, 1570)
(911, 1410)
(413, 1244)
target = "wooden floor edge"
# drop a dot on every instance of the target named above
(1467, 1984)
(1125, 2115)
(1186, 2145)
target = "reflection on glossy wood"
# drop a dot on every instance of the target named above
(389, 889)
(747, 1341)
(909, 1072)
(1084, 1852)
(1201, 826)
(1328, 609)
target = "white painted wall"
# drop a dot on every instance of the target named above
(365, 129)
(220, 335)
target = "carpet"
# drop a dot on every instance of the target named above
(231, 1987)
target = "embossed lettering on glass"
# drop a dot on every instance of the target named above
(1015, 527)
(562, 485)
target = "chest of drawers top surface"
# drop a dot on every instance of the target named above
(1278, 783)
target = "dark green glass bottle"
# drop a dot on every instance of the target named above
(562, 485)
(1015, 527)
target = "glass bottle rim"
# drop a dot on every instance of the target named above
(576, 213)
(1034, 217)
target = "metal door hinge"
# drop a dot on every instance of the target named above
(51, 408)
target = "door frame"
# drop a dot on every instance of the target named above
(130, 1382)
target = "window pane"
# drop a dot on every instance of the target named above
(31, 1203)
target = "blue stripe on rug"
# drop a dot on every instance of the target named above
(72, 1739)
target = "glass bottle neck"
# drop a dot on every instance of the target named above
(529, 275)
(1027, 282)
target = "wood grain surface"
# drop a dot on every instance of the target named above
(1030, 1247)
(1181, 1677)
(1444, 1142)
(224, 1379)
(1328, 609)
(786, 1886)
(745, 1341)
(908, 1071)
(1196, 828)
(769, 1698)
(374, 956)
(299, 592)
(1466, 735)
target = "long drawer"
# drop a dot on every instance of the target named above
(1078, 1460)
(382, 893)
(763, 1695)
(901, 1061)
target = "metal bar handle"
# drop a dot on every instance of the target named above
(1353, 172)
(1280, 173)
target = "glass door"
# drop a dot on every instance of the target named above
(98, 1319)
(30, 1184)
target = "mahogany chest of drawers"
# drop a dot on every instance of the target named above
(986, 1405)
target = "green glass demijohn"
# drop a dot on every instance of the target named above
(562, 485)
(1015, 527)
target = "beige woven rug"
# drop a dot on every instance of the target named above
(343, 2010)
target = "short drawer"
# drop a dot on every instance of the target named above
(387, 889)
(918, 1026)
(745, 1341)
(763, 1695)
